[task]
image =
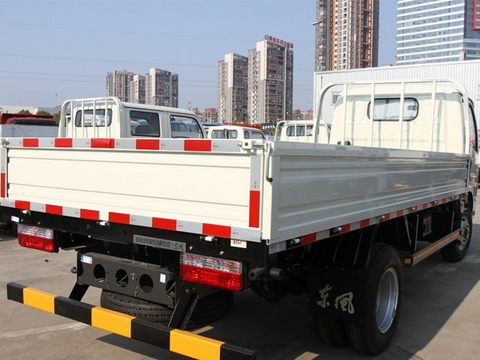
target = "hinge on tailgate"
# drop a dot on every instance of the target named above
(5, 143)
(251, 144)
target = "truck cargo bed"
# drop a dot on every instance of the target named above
(274, 192)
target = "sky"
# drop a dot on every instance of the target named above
(54, 50)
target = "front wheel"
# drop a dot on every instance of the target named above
(382, 301)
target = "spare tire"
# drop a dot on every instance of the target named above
(208, 309)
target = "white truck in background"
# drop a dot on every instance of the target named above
(125, 120)
(235, 132)
(336, 221)
(301, 130)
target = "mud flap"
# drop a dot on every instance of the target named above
(337, 293)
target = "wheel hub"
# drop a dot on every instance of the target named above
(387, 300)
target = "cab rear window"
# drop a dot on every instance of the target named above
(388, 109)
(85, 118)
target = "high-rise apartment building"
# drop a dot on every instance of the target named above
(232, 92)
(161, 88)
(270, 81)
(210, 115)
(158, 87)
(136, 93)
(118, 84)
(437, 30)
(346, 34)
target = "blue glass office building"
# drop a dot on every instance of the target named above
(430, 31)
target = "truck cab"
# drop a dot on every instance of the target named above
(235, 132)
(414, 120)
(301, 130)
(111, 118)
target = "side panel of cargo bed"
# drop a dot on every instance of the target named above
(317, 187)
(206, 192)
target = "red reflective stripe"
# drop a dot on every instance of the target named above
(102, 143)
(63, 142)
(167, 224)
(365, 223)
(345, 228)
(3, 185)
(24, 205)
(217, 230)
(89, 214)
(148, 144)
(198, 145)
(309, 238)
(119, 218)
(54, 209)
(399, 213)
(254, 216)
(30, 142)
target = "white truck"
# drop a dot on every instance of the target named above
(125, 120)
(338, 222)
(235, 132)
(301, 130)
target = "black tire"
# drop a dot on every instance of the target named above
(331, 331)
(208, 309)
(457, 250)
(382, 302)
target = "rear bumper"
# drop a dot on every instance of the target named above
(178, 341)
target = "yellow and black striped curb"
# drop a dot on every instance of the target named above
(178, 341)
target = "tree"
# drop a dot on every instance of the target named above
(56, 117)
(41, 112)
(25, 112)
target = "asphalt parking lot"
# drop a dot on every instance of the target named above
(440, 316)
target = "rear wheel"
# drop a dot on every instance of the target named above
(457, 250)
(331, 331)
(207, 310)
(382, 301)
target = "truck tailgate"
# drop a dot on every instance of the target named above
(185, 185)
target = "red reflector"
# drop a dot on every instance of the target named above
(36, 238)
(224, 274)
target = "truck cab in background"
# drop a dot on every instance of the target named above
(302, 131)
(110, 118)
(235, 132)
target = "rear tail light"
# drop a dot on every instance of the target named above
(221, 273)
(36, 238)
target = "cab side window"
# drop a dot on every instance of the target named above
(185, 127)
(144, 123)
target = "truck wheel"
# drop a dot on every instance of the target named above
(382, 302)
(457, 250)
(208, 309)
(331, 331)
